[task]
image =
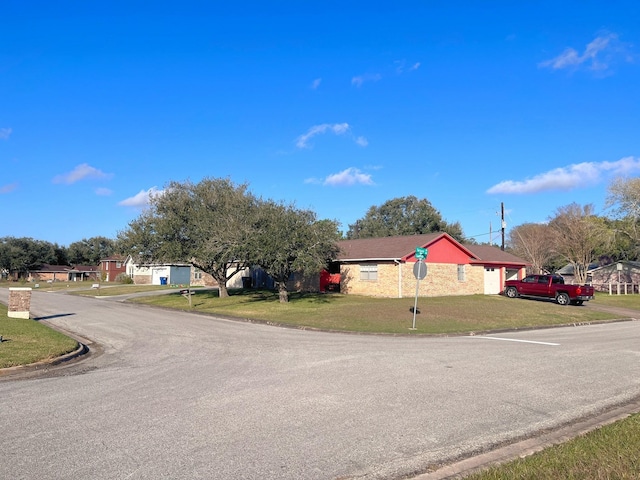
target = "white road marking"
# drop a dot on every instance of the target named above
(515, 340)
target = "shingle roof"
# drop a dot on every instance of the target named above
(489, 253)
(84, 268)
(400, 247)
(384, 247)
(47, 268)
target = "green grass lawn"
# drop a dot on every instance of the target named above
(438, 315)
(27, 341)
(610, 452)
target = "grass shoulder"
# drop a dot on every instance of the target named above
(437, 315)
(610, 451)
(26, 341)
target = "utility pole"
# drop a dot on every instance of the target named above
(503, 224)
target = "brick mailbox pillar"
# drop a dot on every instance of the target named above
(19, 302)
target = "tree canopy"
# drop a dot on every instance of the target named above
(578, 237)
(207, 224)
(403, 216)
(89, 251)
(289, 240)
(221, 228)
(24, 253)
(531, 241)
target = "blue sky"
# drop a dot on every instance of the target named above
(336, 106)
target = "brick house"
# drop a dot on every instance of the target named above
(619, 277)
(383, 267)
(111, 267)
(63, 273)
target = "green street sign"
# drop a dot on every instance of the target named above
(421, 253)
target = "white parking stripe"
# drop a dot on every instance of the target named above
(514, 340)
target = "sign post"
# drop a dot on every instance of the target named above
(420, 272)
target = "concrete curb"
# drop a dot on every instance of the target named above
(81, 350)
(536, 443)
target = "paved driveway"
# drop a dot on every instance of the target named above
(187, 396)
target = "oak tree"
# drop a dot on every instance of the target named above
(291, 241)
(206, 224)
(403, 216)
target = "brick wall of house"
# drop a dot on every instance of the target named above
(142, 279)
(441, 280)
(202, 279)
(45, 276)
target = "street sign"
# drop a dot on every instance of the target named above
(420, 269)
(421, 253)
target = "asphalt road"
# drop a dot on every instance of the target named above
(187, 396)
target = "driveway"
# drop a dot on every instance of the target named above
(187, 396)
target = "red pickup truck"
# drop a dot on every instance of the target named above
(548, 286)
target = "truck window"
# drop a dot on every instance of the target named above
(558, 280)
(543, 279)
(529, 279)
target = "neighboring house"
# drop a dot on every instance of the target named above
(241, 278)
(83, 273)
(158, 273)
(616, 277)
(111, 267)
(201, 279)
(568, 273)
(63, 273)
(383, 267)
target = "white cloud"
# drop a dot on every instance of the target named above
(5, 133)
(350, 176)
(401, 66)
(363, 142)
(337, 128)
(8, 188)
(316, 83)
(367, 77)
(81, 172)
(141, 199)
(597, 55)
(568, 178)
(103, 192)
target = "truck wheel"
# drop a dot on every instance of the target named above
(563, 299)
(511, 292)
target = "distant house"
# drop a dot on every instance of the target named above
(111, 267)
(384, 267)
(241, 277)
(618, 277)
(568, 272)
(63, 273)
(158, 273)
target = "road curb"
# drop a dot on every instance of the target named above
(78, 352)
(529, 446)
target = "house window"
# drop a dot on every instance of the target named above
(197, 275)
(461, 273)
(118, 264)
(369, 272)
